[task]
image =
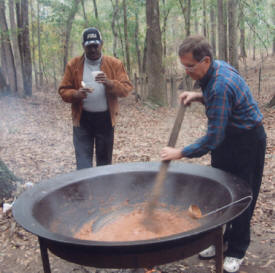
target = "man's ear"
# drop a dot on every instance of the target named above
(207, 59)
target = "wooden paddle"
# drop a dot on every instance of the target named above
(158, 186)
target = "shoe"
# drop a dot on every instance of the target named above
(208, 253)
(231, 264)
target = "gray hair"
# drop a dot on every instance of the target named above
(197, 45)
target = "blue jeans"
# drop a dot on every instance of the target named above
(95, 131)
(241, 153)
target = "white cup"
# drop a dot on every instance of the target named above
(95, 73)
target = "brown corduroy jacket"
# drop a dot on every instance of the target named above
(73, 76)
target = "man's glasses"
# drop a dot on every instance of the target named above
(193, 67)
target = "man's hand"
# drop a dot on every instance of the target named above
(102, 78)
(189, 96)
(87, 88)
(169, 153)
(81, 94)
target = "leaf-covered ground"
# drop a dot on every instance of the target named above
(36, 144)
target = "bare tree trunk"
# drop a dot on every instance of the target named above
(188, 16)
(33, 44)
(254, 46)
(164, 28)
(232, 31)
(155, 71)
(221, 34)
(69, 23)
(273, 19)
(3, 64)
(204, 19)
(186, 11)
(213, 29)
(22, 12)
(7, 54)
(121, 43)
(196, 21)
(4, 88)
(95, 9)
(114, 29)
(41, 78)
(225, 30)
(126, 37)
(166, 12)
(145, 53)
(173, 98)
(54, 73)
(16, 53)
(137, 42)
(84, 14)
(243, 54)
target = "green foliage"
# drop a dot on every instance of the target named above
(254, 14)
(257, 15)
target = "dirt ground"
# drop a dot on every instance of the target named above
(36, 144)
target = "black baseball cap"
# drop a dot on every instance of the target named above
(91, 36)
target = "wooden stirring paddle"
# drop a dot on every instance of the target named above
(158, 186)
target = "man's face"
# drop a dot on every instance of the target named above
(196, 70)
(93, 52)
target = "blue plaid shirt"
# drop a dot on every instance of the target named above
(228, 103)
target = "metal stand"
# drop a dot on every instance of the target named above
(44, 256)
(219, 250)
(213, 237)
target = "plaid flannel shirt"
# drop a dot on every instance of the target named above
(229, 104)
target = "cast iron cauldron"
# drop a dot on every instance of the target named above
(54, 209)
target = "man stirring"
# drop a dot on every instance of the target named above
(235, 135)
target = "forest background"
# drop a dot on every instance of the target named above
(38, 37)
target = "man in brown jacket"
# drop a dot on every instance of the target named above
(94, 100)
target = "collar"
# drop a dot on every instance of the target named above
(93, 62)
(205, 79)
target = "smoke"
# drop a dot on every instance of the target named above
(36, 136)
